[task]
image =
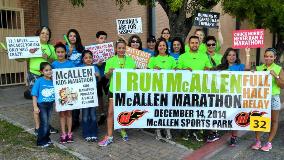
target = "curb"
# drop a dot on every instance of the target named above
(29, 130)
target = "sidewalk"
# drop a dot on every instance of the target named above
(15, 109)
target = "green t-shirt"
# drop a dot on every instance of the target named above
(203, 48)
(115, 62)
(217, 59)
(195, 61)
(277, 70)
(163, 62)
(34, 63)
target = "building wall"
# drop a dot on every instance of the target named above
(95, 16)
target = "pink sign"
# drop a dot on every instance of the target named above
(101, 52)
(248, 38)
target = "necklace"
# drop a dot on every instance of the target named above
(121, 65)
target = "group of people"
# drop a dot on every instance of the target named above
(197, 52)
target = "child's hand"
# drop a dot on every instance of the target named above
(97, 74)
(36, 109)
(110, 70)
(44, 56)
(156, 67)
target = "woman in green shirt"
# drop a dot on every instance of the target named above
(120, 60)
(214, 57)
(162, 60)
(277, 83)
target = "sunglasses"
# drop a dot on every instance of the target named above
(213, 44)
(133, 41)
(264, 69)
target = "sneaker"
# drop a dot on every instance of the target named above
(186, 136)
(88, 139)
(45, 145)
(49, 142)
(267, 147)
(158, 134)
(106, 141)
(36, 132)
(94, 139)
(257, 145)
(233, 141)
(169, 135)
(63, 139)
(197, 136)
(69, 138)
(213, 137)
(124, 135)
(102, 120)
(53, 130)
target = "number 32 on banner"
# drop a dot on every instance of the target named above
(259, 124)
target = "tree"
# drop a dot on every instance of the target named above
(180, 12)
(261, 14)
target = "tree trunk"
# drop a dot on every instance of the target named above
(179, 25)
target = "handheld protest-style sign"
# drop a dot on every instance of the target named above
(129, 26)
(101, 52)
(23, 47)
(207, 19)
(248, 38)
(141, 58)
(183, 99)
(75, 88)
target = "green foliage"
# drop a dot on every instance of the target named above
(260, 13)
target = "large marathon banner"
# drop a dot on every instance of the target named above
(192, 100)
(75, 88)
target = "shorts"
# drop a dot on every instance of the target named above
(110, 95)
(103, 86)
(31, 78)
(275, 102)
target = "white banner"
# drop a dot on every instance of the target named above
(23, 47)
(101, 52)
(75, 88)
(192, 100)
(129, 25)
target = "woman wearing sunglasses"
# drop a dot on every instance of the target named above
(135, 42)
(215, 58)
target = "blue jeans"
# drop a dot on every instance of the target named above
(89, 122)
(44, 116)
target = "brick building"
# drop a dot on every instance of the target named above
(97, 15)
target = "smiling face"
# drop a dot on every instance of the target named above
(193, 44)
(269, 57)
(88, 59)
(135, 43)
(61, 53)
(232, 57)
(44, 35)
(47, 71)
(200, 35)
(162, 47)
(120, 49)
(211, 45)
(176, 46)
(166, 34)
(72, 37)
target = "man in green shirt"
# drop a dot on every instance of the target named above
(194, 59)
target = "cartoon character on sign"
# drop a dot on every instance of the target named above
(127, 118)
(67, 96)
(243, 119)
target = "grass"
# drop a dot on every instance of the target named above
(17, 144)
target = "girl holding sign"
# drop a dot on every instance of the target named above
(89, 122)
(43, 100)
(65, 116)
(120, 60)
(231, 62)
(162, 60)
(277, 83)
